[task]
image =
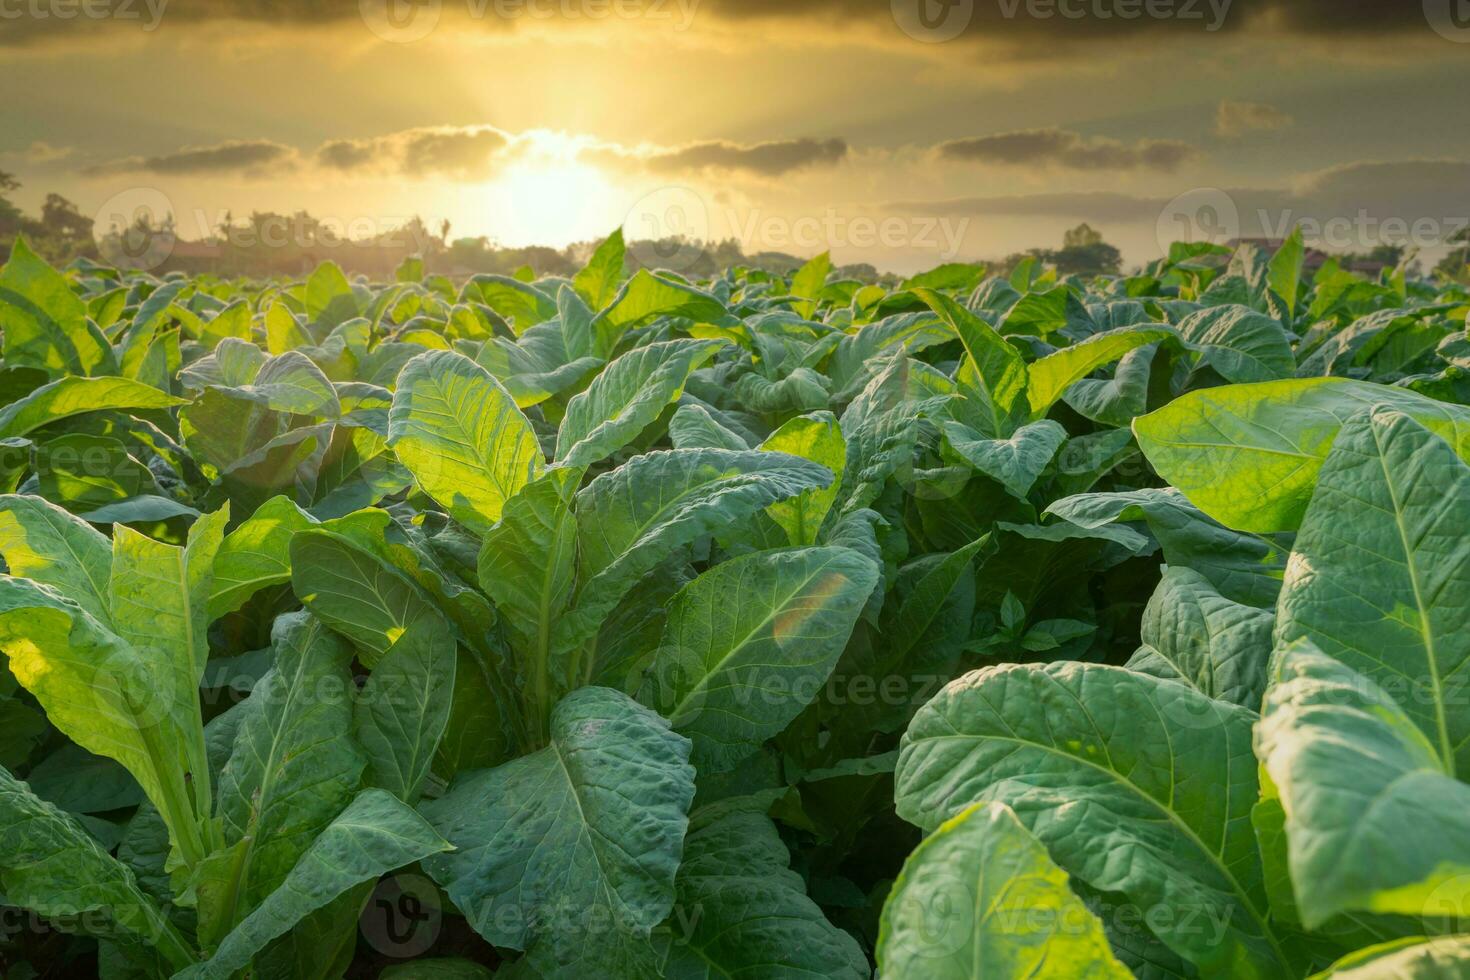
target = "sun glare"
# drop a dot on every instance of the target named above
(544, 201)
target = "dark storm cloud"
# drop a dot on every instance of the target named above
(1364, 194)
(769, 159)
(247, 157)
(468, 152)
(1038, 28)
(1068, 150)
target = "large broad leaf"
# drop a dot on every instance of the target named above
(593, 823)
(633, 517)
(646, 297)
(66, 397)
(981, 898)
(44, 322)
(625, 398)
(1437, 958)
(994, 376)
(328, 297)
(462, 437)
(295, 764)
(45, 544)
(816, 437)
(1373, 821)
(403, 709)
(257, 553)
(1193, 634)
(598, 281)
(520, 303)
(160, 595)
(109, 698)
(1239, 343)
(1244, 567)
(755, 918)
(1015, 463)
(1050, 376)
(1380, 574)
(374, 835)
(1085, 752)
(750, 643)
(1248, 455)
(1285, 270)
(528, 566)
(50, 865)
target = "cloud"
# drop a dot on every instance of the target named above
(243, 157)
(1030, 27)
(1346, 207)
(1068, 150)
(1235, 119)
(773, 158)
(464, 152)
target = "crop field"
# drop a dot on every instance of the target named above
(622, 625)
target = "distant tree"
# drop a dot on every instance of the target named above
(1084, 253)
(10, 215)
(61, 218)
(1456, 265)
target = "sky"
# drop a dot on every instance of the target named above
(904, 133)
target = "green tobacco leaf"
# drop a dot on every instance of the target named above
(1285, 270)
(1395, 837)
(44, 322)
(646, 297)
(816, 437)
(374, 835)
(527, 565)
(109, 698)
(70, 396)
(437, 969)
(633, 517)
(995, 374)
(462, 437)
(1053, 374)
(1086, 752)
(599, 279)
(522, 304)
(50, 865)
(160, 593)
(45, 544)
(693, 427)
(1015, 463)
(756, 917)
(409, 645)
(1248, 455)
(1244, 567)
(593, 822)
(981, 898)
(295, 764)
(808, 281)
(256, 554)
(1239, 343)
(750, 643)
(328, 297)
(1381, 569)
(625, 398)
(1418, 958)
(1193, 634)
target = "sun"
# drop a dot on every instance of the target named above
(547, 197)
